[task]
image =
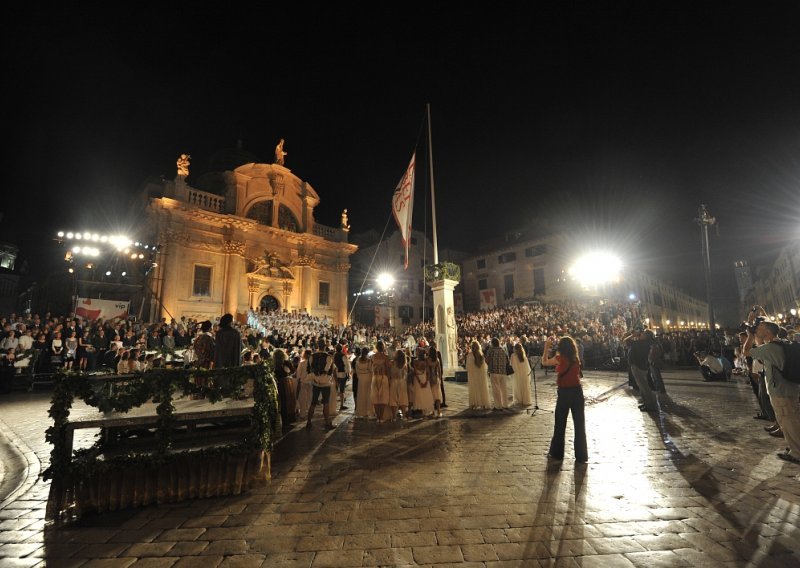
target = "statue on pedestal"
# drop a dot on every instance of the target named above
(280, 153)
(345, 221)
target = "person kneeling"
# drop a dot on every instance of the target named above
(710, 367)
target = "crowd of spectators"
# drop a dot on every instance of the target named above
(126, 345)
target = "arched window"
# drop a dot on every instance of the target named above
(286, 219)
(261, 212)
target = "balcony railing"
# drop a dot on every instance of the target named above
(329, 233)
(207, 201)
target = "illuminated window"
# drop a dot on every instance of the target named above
(202, 281)
(536, 250)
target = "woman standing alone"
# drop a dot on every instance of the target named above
(570, 398)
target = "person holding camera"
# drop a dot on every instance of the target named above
(639, 343)
(570, 398)
(763, 343)
(710, 366)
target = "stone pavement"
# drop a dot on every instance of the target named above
(697, 485)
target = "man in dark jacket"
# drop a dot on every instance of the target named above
(228, 344)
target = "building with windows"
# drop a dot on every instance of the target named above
(521, 267)
(777, 285)
(245, 238)
(408, 301)
(9, 277)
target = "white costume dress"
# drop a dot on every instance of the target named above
(364, 407)
(477, 383)
(521, 380)
(423, 395)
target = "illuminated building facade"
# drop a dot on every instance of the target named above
(253, 243)
(518, 268)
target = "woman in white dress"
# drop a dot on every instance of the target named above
(380, 381)
(398, 385)
(364, 408)
(521, 382)
(477, 378)
(423, 395)
(304, 384)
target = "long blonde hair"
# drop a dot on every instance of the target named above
(477, 353)
(520, 352)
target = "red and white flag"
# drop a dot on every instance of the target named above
(403, 205)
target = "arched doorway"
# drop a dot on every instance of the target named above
(269, 304)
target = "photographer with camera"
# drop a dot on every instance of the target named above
(763, 343)
(711, 367)
(639, 342)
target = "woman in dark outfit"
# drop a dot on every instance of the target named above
(570, 398)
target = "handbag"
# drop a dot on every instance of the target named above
(509, 368)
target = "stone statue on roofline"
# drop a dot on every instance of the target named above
(183, 165)
(280, 153)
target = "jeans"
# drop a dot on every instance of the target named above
(570, 399)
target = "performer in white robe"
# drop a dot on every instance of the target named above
(477, 378)
(521, 379)
(423, 395)
(363, 369)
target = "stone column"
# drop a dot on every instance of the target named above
(444, 323)
(235, 265)
(173, 273)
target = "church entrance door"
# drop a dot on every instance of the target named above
(269, 304)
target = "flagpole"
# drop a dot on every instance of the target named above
(433, 193)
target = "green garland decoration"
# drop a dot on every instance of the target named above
(158, 385)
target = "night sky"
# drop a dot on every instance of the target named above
(614, 124)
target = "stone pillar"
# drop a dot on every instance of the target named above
(445, 323)
(235, 265)
(173, 273)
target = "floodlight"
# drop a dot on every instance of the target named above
(61, 234)
(596, 268)
(70, 235)
(385, 280)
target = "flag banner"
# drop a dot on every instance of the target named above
(488, 299)
(383, 316)
(403, 205)
(91, 309)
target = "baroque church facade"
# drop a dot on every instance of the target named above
(251, 244)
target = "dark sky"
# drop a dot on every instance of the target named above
(614, 123)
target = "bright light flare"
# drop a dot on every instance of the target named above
(596, 268)
(385, 280)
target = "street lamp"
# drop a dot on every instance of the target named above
(705, 220)
(385, 282)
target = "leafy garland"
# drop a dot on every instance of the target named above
(159, 385)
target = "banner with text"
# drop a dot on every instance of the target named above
(91, 309)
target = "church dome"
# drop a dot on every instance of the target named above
(228, 159)
(213, 179)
